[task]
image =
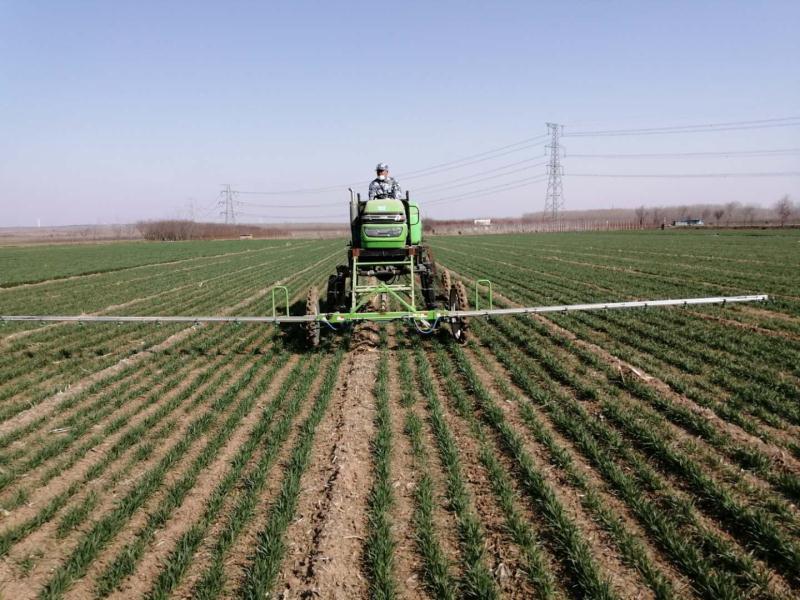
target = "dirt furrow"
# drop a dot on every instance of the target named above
(109, 487)
(326, 539)
(503, 557)
(404, 480)
(192, 506)
(49, 404)
(512, 413)
(240, 554)
(96, 455)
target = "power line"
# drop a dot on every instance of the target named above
(427, 171)
(518, 183)
(291, 217)
(481, 194)
(450, 184)
(527, 144)
(329, 188)
(260, 205)
(702, 128)
(444, 185)
(756, 153)
(687, 175)
(466, 164)
(210, 208)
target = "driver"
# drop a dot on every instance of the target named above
(384, 186)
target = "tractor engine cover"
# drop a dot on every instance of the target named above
(383, 224)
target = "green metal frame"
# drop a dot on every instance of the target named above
(404, 293)
(486, 283)
(275, 288)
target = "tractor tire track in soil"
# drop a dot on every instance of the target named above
(240, 554)
(326, 538)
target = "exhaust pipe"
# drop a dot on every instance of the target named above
(354, 218)
(353, 206)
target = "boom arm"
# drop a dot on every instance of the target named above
(430, 315)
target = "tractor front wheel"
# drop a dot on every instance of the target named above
(458, 301)
(312, 328)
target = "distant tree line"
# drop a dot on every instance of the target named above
(174, 230)
(730, 214)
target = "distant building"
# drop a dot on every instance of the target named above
(482, 222)
(246, 236)
(689, 223)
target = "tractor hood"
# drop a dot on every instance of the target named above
(384, 211)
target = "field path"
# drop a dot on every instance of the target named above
(326, 537)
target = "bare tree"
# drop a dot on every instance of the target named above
(658, 217)
(718, 214)
(784, 208)
(748, 211)
(641, 212)
(730, 210)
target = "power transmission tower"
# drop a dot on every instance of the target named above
(554, 200)
(227, 203)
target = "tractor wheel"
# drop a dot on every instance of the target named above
(427, 284)
(458, 301)
(336, 291)
(312, 328)
(445, 284)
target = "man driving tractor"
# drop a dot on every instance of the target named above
(383, 186)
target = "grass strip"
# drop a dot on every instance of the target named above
(577, 555)
(477, 581)
(630, 546)
(126, 560)
(106, 528)
(573, 421)
(260, 576)
(380, 542)
(295, 388)
(435, 565)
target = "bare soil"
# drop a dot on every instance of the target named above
(326, 538)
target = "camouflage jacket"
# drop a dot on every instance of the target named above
(388, 188)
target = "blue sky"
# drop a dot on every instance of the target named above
(115, 111)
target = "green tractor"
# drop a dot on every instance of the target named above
(390, 274)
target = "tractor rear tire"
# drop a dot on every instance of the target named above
(312, 328)
(458, 301)
(428, 286)
(445, 284)
(336, 291)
